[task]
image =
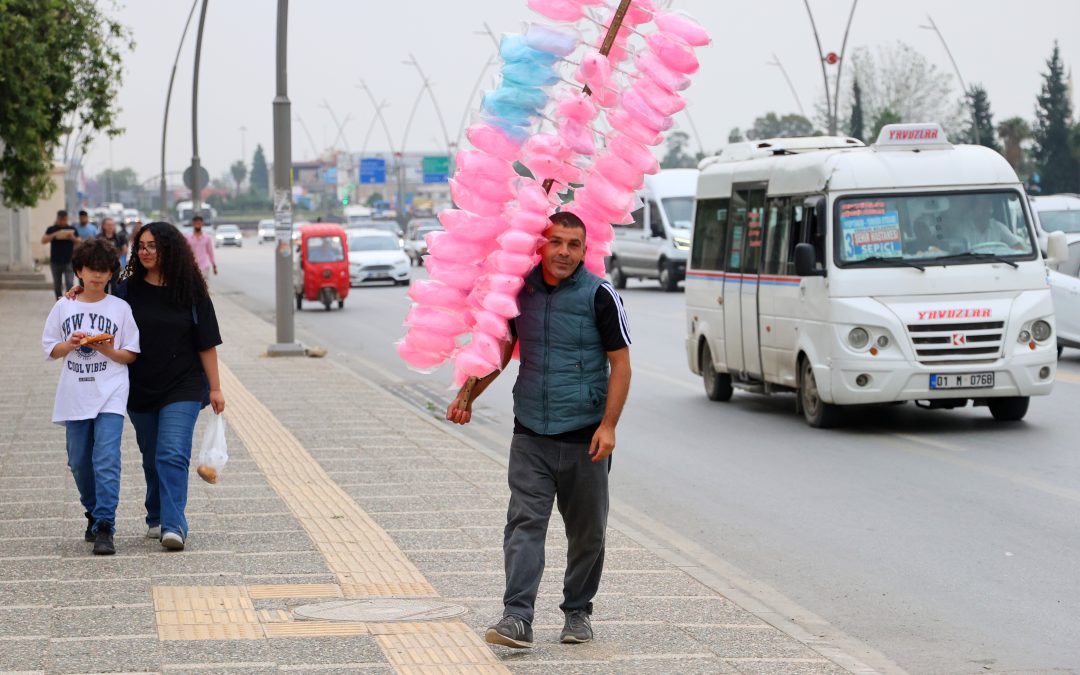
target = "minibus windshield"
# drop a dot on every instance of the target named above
(680, 211)
(931, 228)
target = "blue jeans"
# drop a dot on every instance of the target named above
(93, 449)
(164, 437)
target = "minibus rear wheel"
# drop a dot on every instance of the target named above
(618, 277)
(717, 385)
(818, 413)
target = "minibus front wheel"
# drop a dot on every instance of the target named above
(818, 413)
(717, 385)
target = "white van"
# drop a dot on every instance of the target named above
(904, 271)
(1059, 213)
(656, 244)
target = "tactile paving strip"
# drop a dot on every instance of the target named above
(205, 613)
(364, 558)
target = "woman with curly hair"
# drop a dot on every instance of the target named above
(177, 373)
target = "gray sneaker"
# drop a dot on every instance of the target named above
(510, 632)
(172, 541)
(577, 628)
(153, 532)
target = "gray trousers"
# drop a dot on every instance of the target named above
(62, 272)
(545, 471)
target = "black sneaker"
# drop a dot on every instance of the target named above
(103, 541)
(510, 632)
(89, 535)
(577, 628)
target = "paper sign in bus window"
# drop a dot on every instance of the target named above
(869, 230)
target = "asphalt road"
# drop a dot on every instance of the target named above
(942, 539)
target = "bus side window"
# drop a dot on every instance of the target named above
(656, 221)
(795, 220)
(814, 233)
(639, 220)
(778, 224)
(710, 235)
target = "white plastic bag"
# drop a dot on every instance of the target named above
(215, 452)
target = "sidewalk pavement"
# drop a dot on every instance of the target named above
(334, 489)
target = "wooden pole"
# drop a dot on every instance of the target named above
(605, 49)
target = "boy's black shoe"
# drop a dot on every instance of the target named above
(510, 632)
(577, 628)
(103, 541)
(89, 536)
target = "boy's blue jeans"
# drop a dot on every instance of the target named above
(93, 449)
(164, 437)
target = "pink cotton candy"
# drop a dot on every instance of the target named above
(455, 275)
(595, 71)
(589, 200)
(606, 97)
(640, 109)
(427, 341)
(490, 323)
(446, 246)
(594, 262)
(617, 171)
(652, 67)
(576, 106)
(487, 347)
(482, 164)
(526, 221)
(436, 320)
(577, 136)
(660, 99)
(493, 141)
(506, 262)
(543, 166)
(419, 360)
(621, 121)
(491, 188)
(430, 292)
(558, 10)
(507, 284)
(547, 144)
(471, 226)
(604, 234)
(531, 197)
(634, 153)
(675, 53)
(502, 304)
(682, 26)
(517, 241)
(568, 173)
(472, 201)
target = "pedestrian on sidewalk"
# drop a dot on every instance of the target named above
(85, 228)
(177, 373)
(110, 233)
(572, 384)
(203, 247)
(61, 238)
(93, 389)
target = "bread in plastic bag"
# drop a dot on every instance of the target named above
(215, 452)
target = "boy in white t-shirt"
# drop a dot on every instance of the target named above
(92, 394)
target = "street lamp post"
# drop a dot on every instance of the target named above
(164, 203)
(196, 184)
(832, 102)
(967, 94)
(286, 344)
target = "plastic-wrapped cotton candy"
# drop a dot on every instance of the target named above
(428, 341)
(558, 10)
(471, 364)
(472, 201)
(597, 200)
(517, 241)
(675, 53)
(457, 275)
(558, 41)
(446, 246)
(543, 166)
(491, 323)
(436, 320)
(682, 26)
(651, 66)
(618, 172)
(576, 106)
(486, 346)
(484, 164)
(417, 359)
(515, 48)
(640, 110)
(660, 99)
(595, 70)
(497, 189)
(436, 294)
(529, 222)
(621, 121)
(529, 74)
(511, 263)
(531, 197)
(474, 227)
(601, 235)
(501, 304)
(547, 144)
(633, 153)
(507, 284)
(577, 136)
(495, 141)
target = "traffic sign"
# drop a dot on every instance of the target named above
(204, 178)
(372, 171)
(436, 169)
(330, 175)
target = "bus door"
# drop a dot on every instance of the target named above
(745, 238)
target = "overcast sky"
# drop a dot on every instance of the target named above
(334, 44)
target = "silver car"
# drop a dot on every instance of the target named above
(228, 235)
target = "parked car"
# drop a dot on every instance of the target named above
(228, 235)
(1065, 290)
(266, 230)
(375, 255)
(1060, 213)
(131, 215)
(416, 243)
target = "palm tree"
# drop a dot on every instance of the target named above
(1014, 131)
(239, 173)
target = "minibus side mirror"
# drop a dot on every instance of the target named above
(806, 260)
(1057, 249)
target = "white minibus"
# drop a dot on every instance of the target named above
(903, 271)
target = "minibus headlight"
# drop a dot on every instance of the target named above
(1040, 330)
(681, 244)
(858, 337)
(883, 341)
(1024, 337)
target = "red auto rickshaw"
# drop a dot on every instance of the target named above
(321, 269)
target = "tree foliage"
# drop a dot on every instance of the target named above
(857, 123)
(119, 179)
(260, 176)
(1013, 132)
(886, 116)
(60, 69)
(239, 173)
(979, 104)
(735, 136)
(677, 157)
(1058, 168)
(772, 126)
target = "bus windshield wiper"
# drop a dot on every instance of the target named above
(878, 259)
(972, 255)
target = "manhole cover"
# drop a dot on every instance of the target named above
(379, 610)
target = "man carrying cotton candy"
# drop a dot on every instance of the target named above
(572, 384)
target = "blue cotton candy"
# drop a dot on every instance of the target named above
(550, 40)
(501, 109)
(513, 48)
(529, 98)
(529, 74)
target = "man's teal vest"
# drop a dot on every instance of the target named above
(563, 377)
